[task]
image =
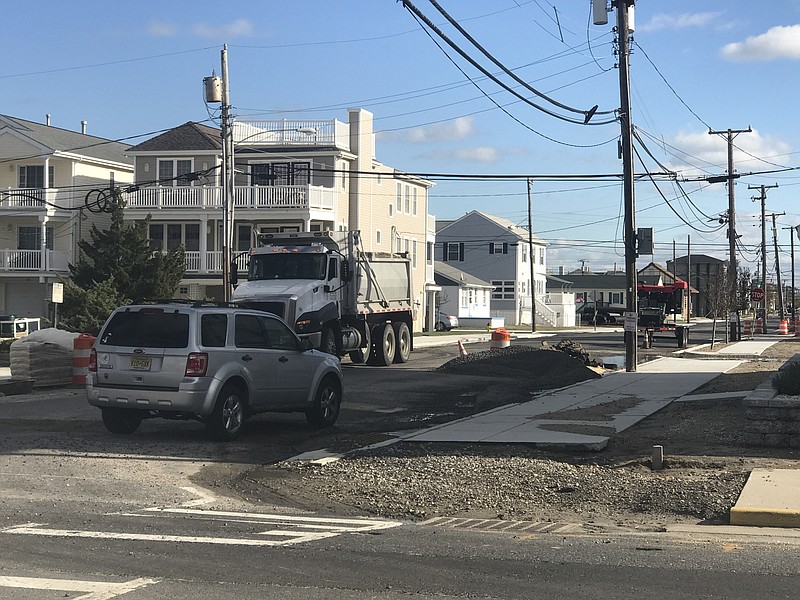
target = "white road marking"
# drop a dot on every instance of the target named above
(96, 590)
(37, 529)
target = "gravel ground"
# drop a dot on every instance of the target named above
(706, 466)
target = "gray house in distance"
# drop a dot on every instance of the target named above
(463, 295)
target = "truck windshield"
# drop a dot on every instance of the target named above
(287, 266)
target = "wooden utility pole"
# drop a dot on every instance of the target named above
(626, 124)
(227, 189)
(763, 198)
(689, 275)
(777, 264)
(732, 267)
(791, 241)
(531, 256)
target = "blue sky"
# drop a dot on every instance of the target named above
(133, 68)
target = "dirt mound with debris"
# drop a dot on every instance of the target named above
(544, 369)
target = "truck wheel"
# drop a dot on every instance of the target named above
(226, 422)
(121, 420)
(360, 355)
(329, 342)
(383, 345)
(402, 342)
(327, 401)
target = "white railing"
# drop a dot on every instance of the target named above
(303, 197)
(213, 262)
(34, 199)
(31, 260)
(292, 133)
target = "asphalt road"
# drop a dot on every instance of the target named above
(84, 514)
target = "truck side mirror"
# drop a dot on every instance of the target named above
(346, 274)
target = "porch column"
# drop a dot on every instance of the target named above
(203, 244)
(43, 262)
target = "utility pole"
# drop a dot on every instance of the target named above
(791, 240)
(689, 275)
(763, 198)
(228, 188)
(732, 267)
(531, 256)
(626, 143)
(781, 313)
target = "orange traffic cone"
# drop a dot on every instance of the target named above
(461, 350)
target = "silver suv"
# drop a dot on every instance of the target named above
(214, 363)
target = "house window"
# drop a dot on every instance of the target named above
(30, 238)
(156, 235)
(398, 200)
(378, 235)
(32, 176)
(243, 237)
(498, 247)
(414, 253)
(524, 254)
(174, 236)
(390, 209)
(191, 237)
(173, 172)
(407, 207)
(414, 202)
(541, 256)
(282, 173)
(429, 253)
(453, 251)
(177, 234)
(399, 244)
(503, 289)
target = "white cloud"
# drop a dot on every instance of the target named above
(161, 29)
(703, 151)
(457, 129)
(481, 154)
(778, 42)
(661, 22)
(238, 28)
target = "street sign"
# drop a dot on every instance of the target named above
(757, 294)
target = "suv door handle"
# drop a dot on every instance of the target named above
(247, 358)
(283, 359)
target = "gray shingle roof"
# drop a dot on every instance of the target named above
(189, 136)
(63, 140)
(456, 275)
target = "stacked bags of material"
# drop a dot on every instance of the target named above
(45, 356)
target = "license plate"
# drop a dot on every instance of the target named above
(140, 363)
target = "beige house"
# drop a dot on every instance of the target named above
(290, 176)
(50, 184)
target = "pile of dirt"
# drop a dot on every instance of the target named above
(544, 369)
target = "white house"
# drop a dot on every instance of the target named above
(291, 175)
(49, 189)
(496, 250)
(463, 295)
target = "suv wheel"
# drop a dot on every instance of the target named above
(230, 411)
(327, 401)
(121, 420)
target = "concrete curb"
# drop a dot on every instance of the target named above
(769, 499)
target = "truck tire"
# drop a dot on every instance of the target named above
(402, 343)
(330, 343)
(360, 355)
(383, 345)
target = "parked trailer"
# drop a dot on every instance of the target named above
(345, 300)
(657, 303)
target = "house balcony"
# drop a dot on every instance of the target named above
(292, 133)
(300, 198)
(36, 201)
(33, 261)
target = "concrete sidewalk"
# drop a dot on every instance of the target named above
(584, 416)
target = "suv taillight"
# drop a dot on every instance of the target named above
(93, 361)
(196, 364)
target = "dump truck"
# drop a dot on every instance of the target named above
(328, 289)
(656, 304)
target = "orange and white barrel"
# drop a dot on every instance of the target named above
(783, 327)
(81, 349)
(747, 328)
(501, 338)
(759, 328)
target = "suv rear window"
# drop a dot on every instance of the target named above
(147, 329)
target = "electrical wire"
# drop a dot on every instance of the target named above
(421, 17)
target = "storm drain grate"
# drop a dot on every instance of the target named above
(502, 525)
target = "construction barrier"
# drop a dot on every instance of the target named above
(797, 328)
(461, 350)
(82, 347)
(783, 327)
(759, 328)
(747, 328)
(501, 338)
